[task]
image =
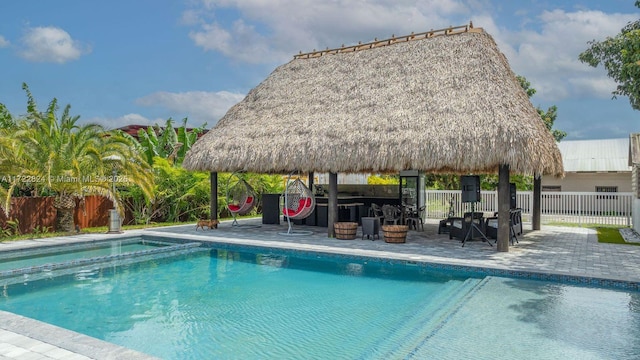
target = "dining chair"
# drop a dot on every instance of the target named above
(415, 218)
(391, 214)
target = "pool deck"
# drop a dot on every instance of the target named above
(570, 254)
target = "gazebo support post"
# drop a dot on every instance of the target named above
(536, 211)
(504, 203)
(213, 202)
(332, 211)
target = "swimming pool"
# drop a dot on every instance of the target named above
(58, 254)
(45, 262)
(262, 304)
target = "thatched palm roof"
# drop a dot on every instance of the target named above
(447, 103)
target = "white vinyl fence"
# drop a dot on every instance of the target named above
(571, 207)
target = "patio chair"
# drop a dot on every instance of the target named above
(415, 218)
(515, 225)
(392, 215)
(241, 198)
(376, 211)
(516, 222)
(460, 226)
(299, 203)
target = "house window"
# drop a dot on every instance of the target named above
(551, 188)
(607, 189)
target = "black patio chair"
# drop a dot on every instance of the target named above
(415, 218)
(460, 226)
(392, 215)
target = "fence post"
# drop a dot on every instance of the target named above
(629, 213)
(427, 202)
(580, 210)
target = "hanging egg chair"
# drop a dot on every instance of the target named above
(241, 198)
(299, 203)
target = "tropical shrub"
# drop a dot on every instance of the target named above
(54, 151)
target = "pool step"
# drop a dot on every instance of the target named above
(427, 321)
(19, 275)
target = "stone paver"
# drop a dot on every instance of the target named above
(554, 251)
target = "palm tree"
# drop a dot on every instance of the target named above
(69, 158)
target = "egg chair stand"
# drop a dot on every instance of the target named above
(299, 203)
(241, 199)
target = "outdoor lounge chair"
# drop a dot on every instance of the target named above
(460, 226)
(515, 225)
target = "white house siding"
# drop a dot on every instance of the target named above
(589, 181)
(592, 163)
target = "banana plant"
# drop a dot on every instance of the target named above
(167, 143)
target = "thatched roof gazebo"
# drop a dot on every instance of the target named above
(443, 101)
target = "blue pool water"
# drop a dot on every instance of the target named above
(224, 304)
(59, 254)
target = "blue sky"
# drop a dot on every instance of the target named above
(123, 62)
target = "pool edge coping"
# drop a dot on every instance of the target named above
(68, 340)
(445, 264)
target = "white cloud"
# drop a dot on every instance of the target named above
(4, 42)
(241, 42)
(548, 57)
(601, 86)
(540, 45)
(544, 48)
(198, 106)
(273, 31)
(50, 44)
(190, 18)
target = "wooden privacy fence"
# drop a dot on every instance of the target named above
(571, 207)
(38, 213)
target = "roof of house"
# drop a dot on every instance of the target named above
(133, 129)
(442, 101)
(604, 155)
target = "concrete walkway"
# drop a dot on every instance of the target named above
(554, 253)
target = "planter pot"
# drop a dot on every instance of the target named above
(346, 230)
(395, 233)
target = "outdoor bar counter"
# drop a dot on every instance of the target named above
(354, 202)
(350, 208)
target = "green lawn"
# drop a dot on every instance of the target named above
(611, 235)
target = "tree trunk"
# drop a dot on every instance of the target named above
(213, 200)
(64, 205)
